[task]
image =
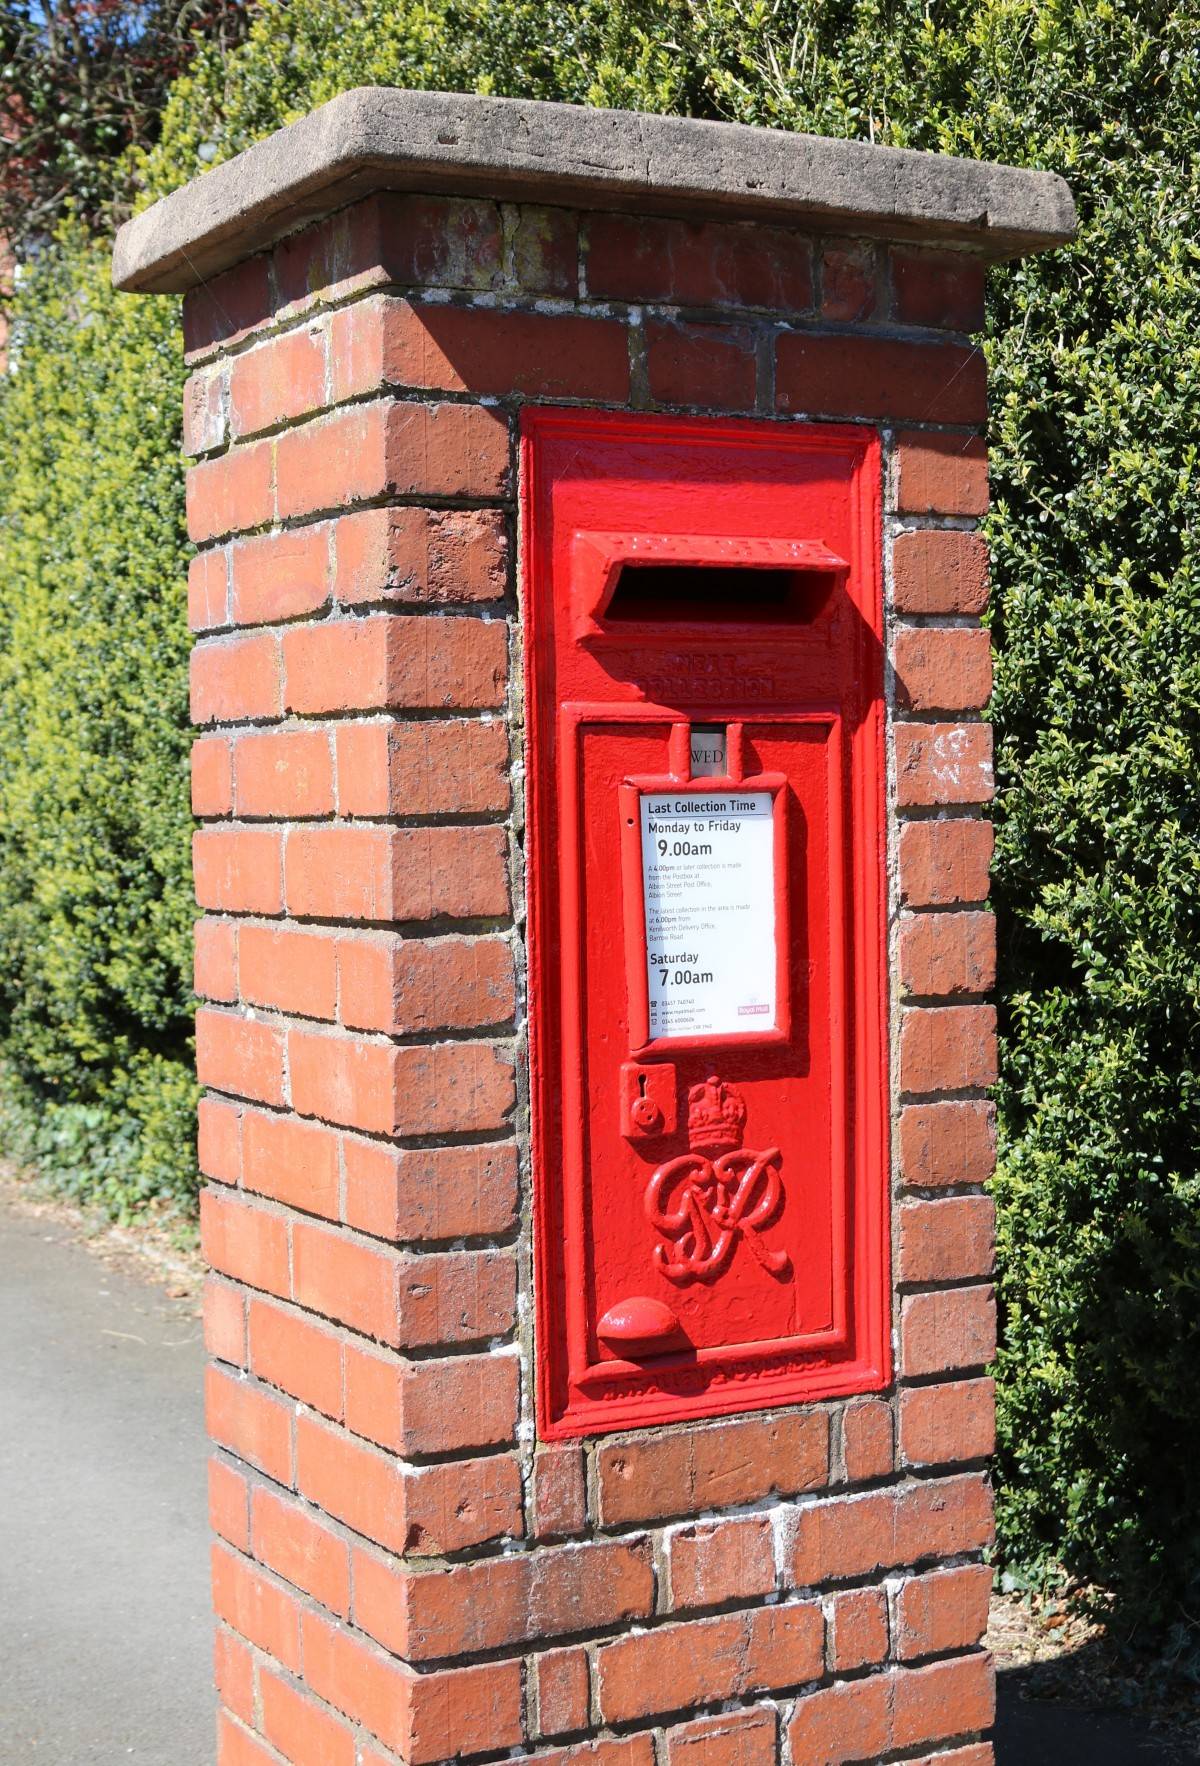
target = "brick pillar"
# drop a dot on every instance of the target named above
(403, 1570)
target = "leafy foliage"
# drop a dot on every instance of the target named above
(1095, 358)
(80, 81)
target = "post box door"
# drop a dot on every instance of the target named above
(707, 1019)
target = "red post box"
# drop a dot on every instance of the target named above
(707, 920)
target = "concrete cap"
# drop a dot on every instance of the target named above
(383, 138)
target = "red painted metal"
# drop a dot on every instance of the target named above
(724, 1247)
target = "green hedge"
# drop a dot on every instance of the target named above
(1095, 355)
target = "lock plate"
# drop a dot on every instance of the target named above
(649, 1100)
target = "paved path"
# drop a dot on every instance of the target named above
(104, 1621)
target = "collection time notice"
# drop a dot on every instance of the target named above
(708, 886)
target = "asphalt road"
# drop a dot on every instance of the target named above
(104, 1619)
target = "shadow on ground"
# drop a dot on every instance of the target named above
(1032, 1731)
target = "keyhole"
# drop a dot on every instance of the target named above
(641, 1085)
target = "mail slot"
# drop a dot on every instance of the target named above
(707, 923)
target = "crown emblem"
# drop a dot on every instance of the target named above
(716, 1117)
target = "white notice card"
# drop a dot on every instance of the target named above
(708, 882)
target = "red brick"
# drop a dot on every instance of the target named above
(943, 763)
(387, 660)
(545, 251)
(284, 774)
(291, 1161)
(280, 575)
(858, 1630)
(236, 678)
(712, 1466)
(978, 1754)
(215, 960)
(857, 376)
(867, 1448)
(456, 1297)
(291, 969)
(634, 1750)
(709, 365)
(465, 1711)
(939, 289)
(447, 451)
(233, 1674)
(945, 1699)
(942, 1612)
(356, 1678)
(562, 1690)
(947, 954)
(422, 557)
(422, 769)
(389, 448)
(238, 870)
(449, 1088)
(559, 1492)
(250, 1422)
(430, 1511)
(208, 590)
(236, 1748)
(276, 381)
(291, 1352)
(301, 1729)
(228, 1503)
(503, 1601)
(212, 776)
(942, 668)
(698, 263)
(853, 1536)
(415, 1302)
(346, 1280)
(424, 1407)
(942, 1424)
(230, 493)
(947, 1330)
(943, 1517)
(441, 348)
(289, 1540)
(227, 307)
(940, 474)
(947, 1048)
(945, 861)
(946, 1241)
(429, 1193)
(843, 1723)
(948, 1143)
(404, 985)
(468, 1502)
(396, 874)
(740, 1738)
(239, 1055)
(352, 1482)
(256, 1608)
(204, 410)
(677, 1666)
(244, 1242)
(441, 241)
(220, 1139)
(849, 280)
(711, 1562)
(224, 1322)
(939, 572)
(332, 462)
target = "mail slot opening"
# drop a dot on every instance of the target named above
(739, 594)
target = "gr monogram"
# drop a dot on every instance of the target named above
(702, 1205)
